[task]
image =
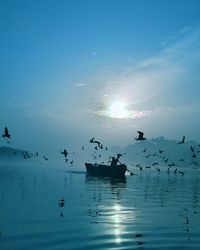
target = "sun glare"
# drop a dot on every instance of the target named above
(118, 110)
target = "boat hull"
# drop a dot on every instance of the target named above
(106, 170)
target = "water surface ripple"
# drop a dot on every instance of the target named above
(55, 210)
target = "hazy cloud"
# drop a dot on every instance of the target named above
(168, 79)
(79, 84)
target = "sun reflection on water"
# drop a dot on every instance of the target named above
(120, 215)
(117, 220)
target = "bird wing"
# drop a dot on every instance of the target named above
(92, 140)
(140, 133)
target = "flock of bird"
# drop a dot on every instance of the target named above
(25, 154)
(172, 167)
(99, 147)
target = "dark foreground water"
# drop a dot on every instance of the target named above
(43, 208)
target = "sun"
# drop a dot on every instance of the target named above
(118, 110)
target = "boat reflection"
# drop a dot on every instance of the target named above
(112, 181)
(103, 185)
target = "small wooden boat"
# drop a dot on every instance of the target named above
(106, 170)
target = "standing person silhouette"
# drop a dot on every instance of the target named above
(114, 161)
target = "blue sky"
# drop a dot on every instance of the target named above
(64, 63)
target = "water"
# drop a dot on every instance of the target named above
(53, 209)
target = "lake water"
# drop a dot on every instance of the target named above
(55, 209)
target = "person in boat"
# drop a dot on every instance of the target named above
(114, 161)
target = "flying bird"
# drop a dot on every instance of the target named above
(92, 140)
(6, 134)
(192, 148)
(140, 136)
(61, 203)
(194, 156)
(158, 169)
(155, 163)
(65, 153)
(97, 142)
(183, 140)
(45, 158)
(27, 155)
(172, 164)
(24, 155)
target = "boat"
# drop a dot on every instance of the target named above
(106, 170)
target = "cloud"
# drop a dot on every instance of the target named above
(79, 84)
(168, 80)
(159, 88)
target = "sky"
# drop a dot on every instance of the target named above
(73, 69)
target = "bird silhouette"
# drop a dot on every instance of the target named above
(172, 164)
(97, 142)
(183, 140)
(155, 163)
(194, 156)
(27, 155)
(92, 140)
(64, 152)
(140, 136)
(24, 155)
(192, 148)
(6, 134)
(180, 172)
(45, 158)
(61, 203)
